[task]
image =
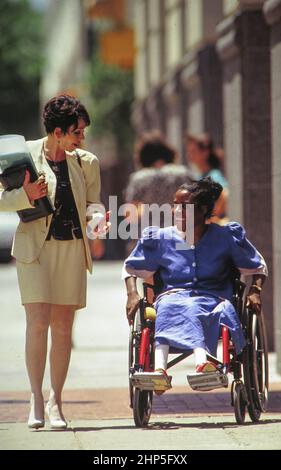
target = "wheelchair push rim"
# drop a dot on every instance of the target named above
(130, 364)
(134, 339)
(260, 363)
(142, 406)
(255, 365)
(239, 397)
(140, 400)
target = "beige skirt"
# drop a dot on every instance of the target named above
(58, 276)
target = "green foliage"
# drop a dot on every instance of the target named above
(112, 96)
(20, 63)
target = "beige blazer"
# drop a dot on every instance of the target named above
(85, 183)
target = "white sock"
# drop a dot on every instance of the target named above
(200, 356)
(161, 356)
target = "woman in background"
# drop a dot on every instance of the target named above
(205, 160)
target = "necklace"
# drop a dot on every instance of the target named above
(50, 159)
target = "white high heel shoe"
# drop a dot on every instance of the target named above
(57, 421)
(33, 421)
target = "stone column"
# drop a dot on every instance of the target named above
(156, 109)
(172, 114)
(201, 76)
(272, 12)
(190, 80)
(140, 116)
(210, 72)
(243, 46)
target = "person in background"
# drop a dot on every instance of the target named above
(157, 176)
(52, 254)
(205, 160)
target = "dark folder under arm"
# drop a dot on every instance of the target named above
(14, 161)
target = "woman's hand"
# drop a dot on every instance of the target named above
(254, 301)
(103, 226)
(37, 189)
(254, 295)
(101, 231)
(132, 306)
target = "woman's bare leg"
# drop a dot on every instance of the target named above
(37, 324)
(61, 323)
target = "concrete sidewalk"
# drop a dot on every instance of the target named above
(96, 401)
(92, 404)
(101, 419)
(176, 433)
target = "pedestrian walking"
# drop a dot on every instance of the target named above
(52, 253)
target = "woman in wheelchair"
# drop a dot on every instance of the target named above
(195, 270)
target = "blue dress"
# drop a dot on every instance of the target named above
(197, 292)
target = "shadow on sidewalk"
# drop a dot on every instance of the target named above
(166, 425)
(96, 404)
(204, 402)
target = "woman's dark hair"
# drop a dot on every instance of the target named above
(63, 111)
(205, 192)
(205, 142)
(152, 147)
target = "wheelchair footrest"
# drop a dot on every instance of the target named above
(206, 381)
(151, 381)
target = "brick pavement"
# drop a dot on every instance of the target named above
(92, 404)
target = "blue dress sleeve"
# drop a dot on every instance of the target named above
(244, 255)
(144, 259)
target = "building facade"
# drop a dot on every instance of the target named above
(214, 66)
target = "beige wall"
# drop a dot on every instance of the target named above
(229, 6)
(272, 10)
(194, 23)
(173, 33)
(154, 42)
(141, 49)
(64, 58)
(233, 140)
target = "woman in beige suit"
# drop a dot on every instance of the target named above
(52, 254)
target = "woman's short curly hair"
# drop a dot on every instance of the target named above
(63, 111)
(205, 193)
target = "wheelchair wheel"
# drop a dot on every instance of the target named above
(131, 362)
(260, 363)
(255, 365)
(134, 340)
(239, 403)
(140, 400)
(142, 407)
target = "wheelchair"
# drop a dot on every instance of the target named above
(249, 369)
